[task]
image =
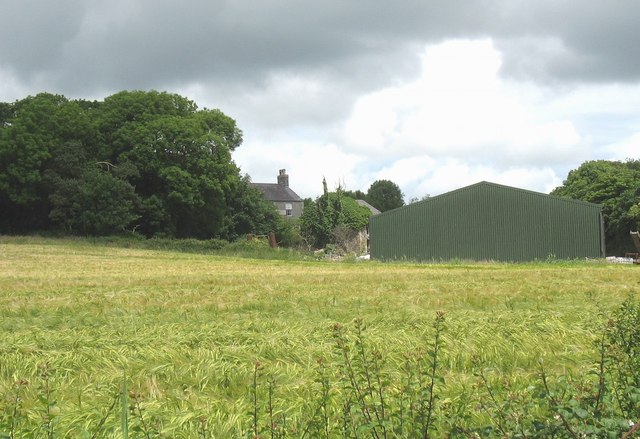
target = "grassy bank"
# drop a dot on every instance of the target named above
(187, 333)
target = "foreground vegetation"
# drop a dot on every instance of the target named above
(104, 341)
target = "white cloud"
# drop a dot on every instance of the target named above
(286, 100)
(425, 176)
(457, 123)
(628, 148)
(407, 172)
(453, 174)
(460, 108)
(307, 163)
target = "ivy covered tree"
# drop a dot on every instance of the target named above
(322, 218)
(616, 186)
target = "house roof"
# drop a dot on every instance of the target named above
(373, 210)
(277, 192)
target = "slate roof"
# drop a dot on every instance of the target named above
(277, 192)
(373, 210)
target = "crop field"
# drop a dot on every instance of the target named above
(100, 341)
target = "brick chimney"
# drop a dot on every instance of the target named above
(283, 178)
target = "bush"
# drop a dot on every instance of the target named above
(288, 233)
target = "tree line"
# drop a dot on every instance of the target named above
(152, 163)
(146, 162)
(155, 164)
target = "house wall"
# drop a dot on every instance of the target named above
(297, 207)
(489, 222)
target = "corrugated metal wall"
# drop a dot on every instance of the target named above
(487, 221)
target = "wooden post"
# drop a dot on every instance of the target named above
(272, 240)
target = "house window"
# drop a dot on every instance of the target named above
(288, 209)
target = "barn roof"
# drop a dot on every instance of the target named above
(488, 184)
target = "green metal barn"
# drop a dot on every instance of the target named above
(488, 221)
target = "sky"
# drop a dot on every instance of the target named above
(432, 95)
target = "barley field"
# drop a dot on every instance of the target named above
(101, 341)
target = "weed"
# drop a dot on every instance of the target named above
(124, 407)
(12, 415)
(46, 399)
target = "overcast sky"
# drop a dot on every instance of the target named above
(433, 95)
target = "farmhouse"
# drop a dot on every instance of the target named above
(488, 221)
(287, 202)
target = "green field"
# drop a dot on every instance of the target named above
(181, 334)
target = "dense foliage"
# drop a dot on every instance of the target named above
(615, 185)
(382, 194)
(385, 195)
(140, 161)
(331, 218)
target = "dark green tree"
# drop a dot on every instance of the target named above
(6, 113)
(250, 213)
(385, 195)
(634, 213)
(356, 195)
(63, 164)
(615, 185)
(95, 203)
(32, 130)
(185, 176)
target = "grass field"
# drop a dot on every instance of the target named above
(183, 333)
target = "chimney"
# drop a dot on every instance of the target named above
(283, 178)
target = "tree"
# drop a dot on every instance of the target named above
(176, 158)
(329, 212)
(250, 212)
(31, 131)
(615, 185)
(316, 220)
(95, 203)
(385, 195)
(356, 195)
(634, 213)
(186, 176)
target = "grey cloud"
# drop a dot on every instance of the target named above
(33, 33)
(575, 42)
(86, 45)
